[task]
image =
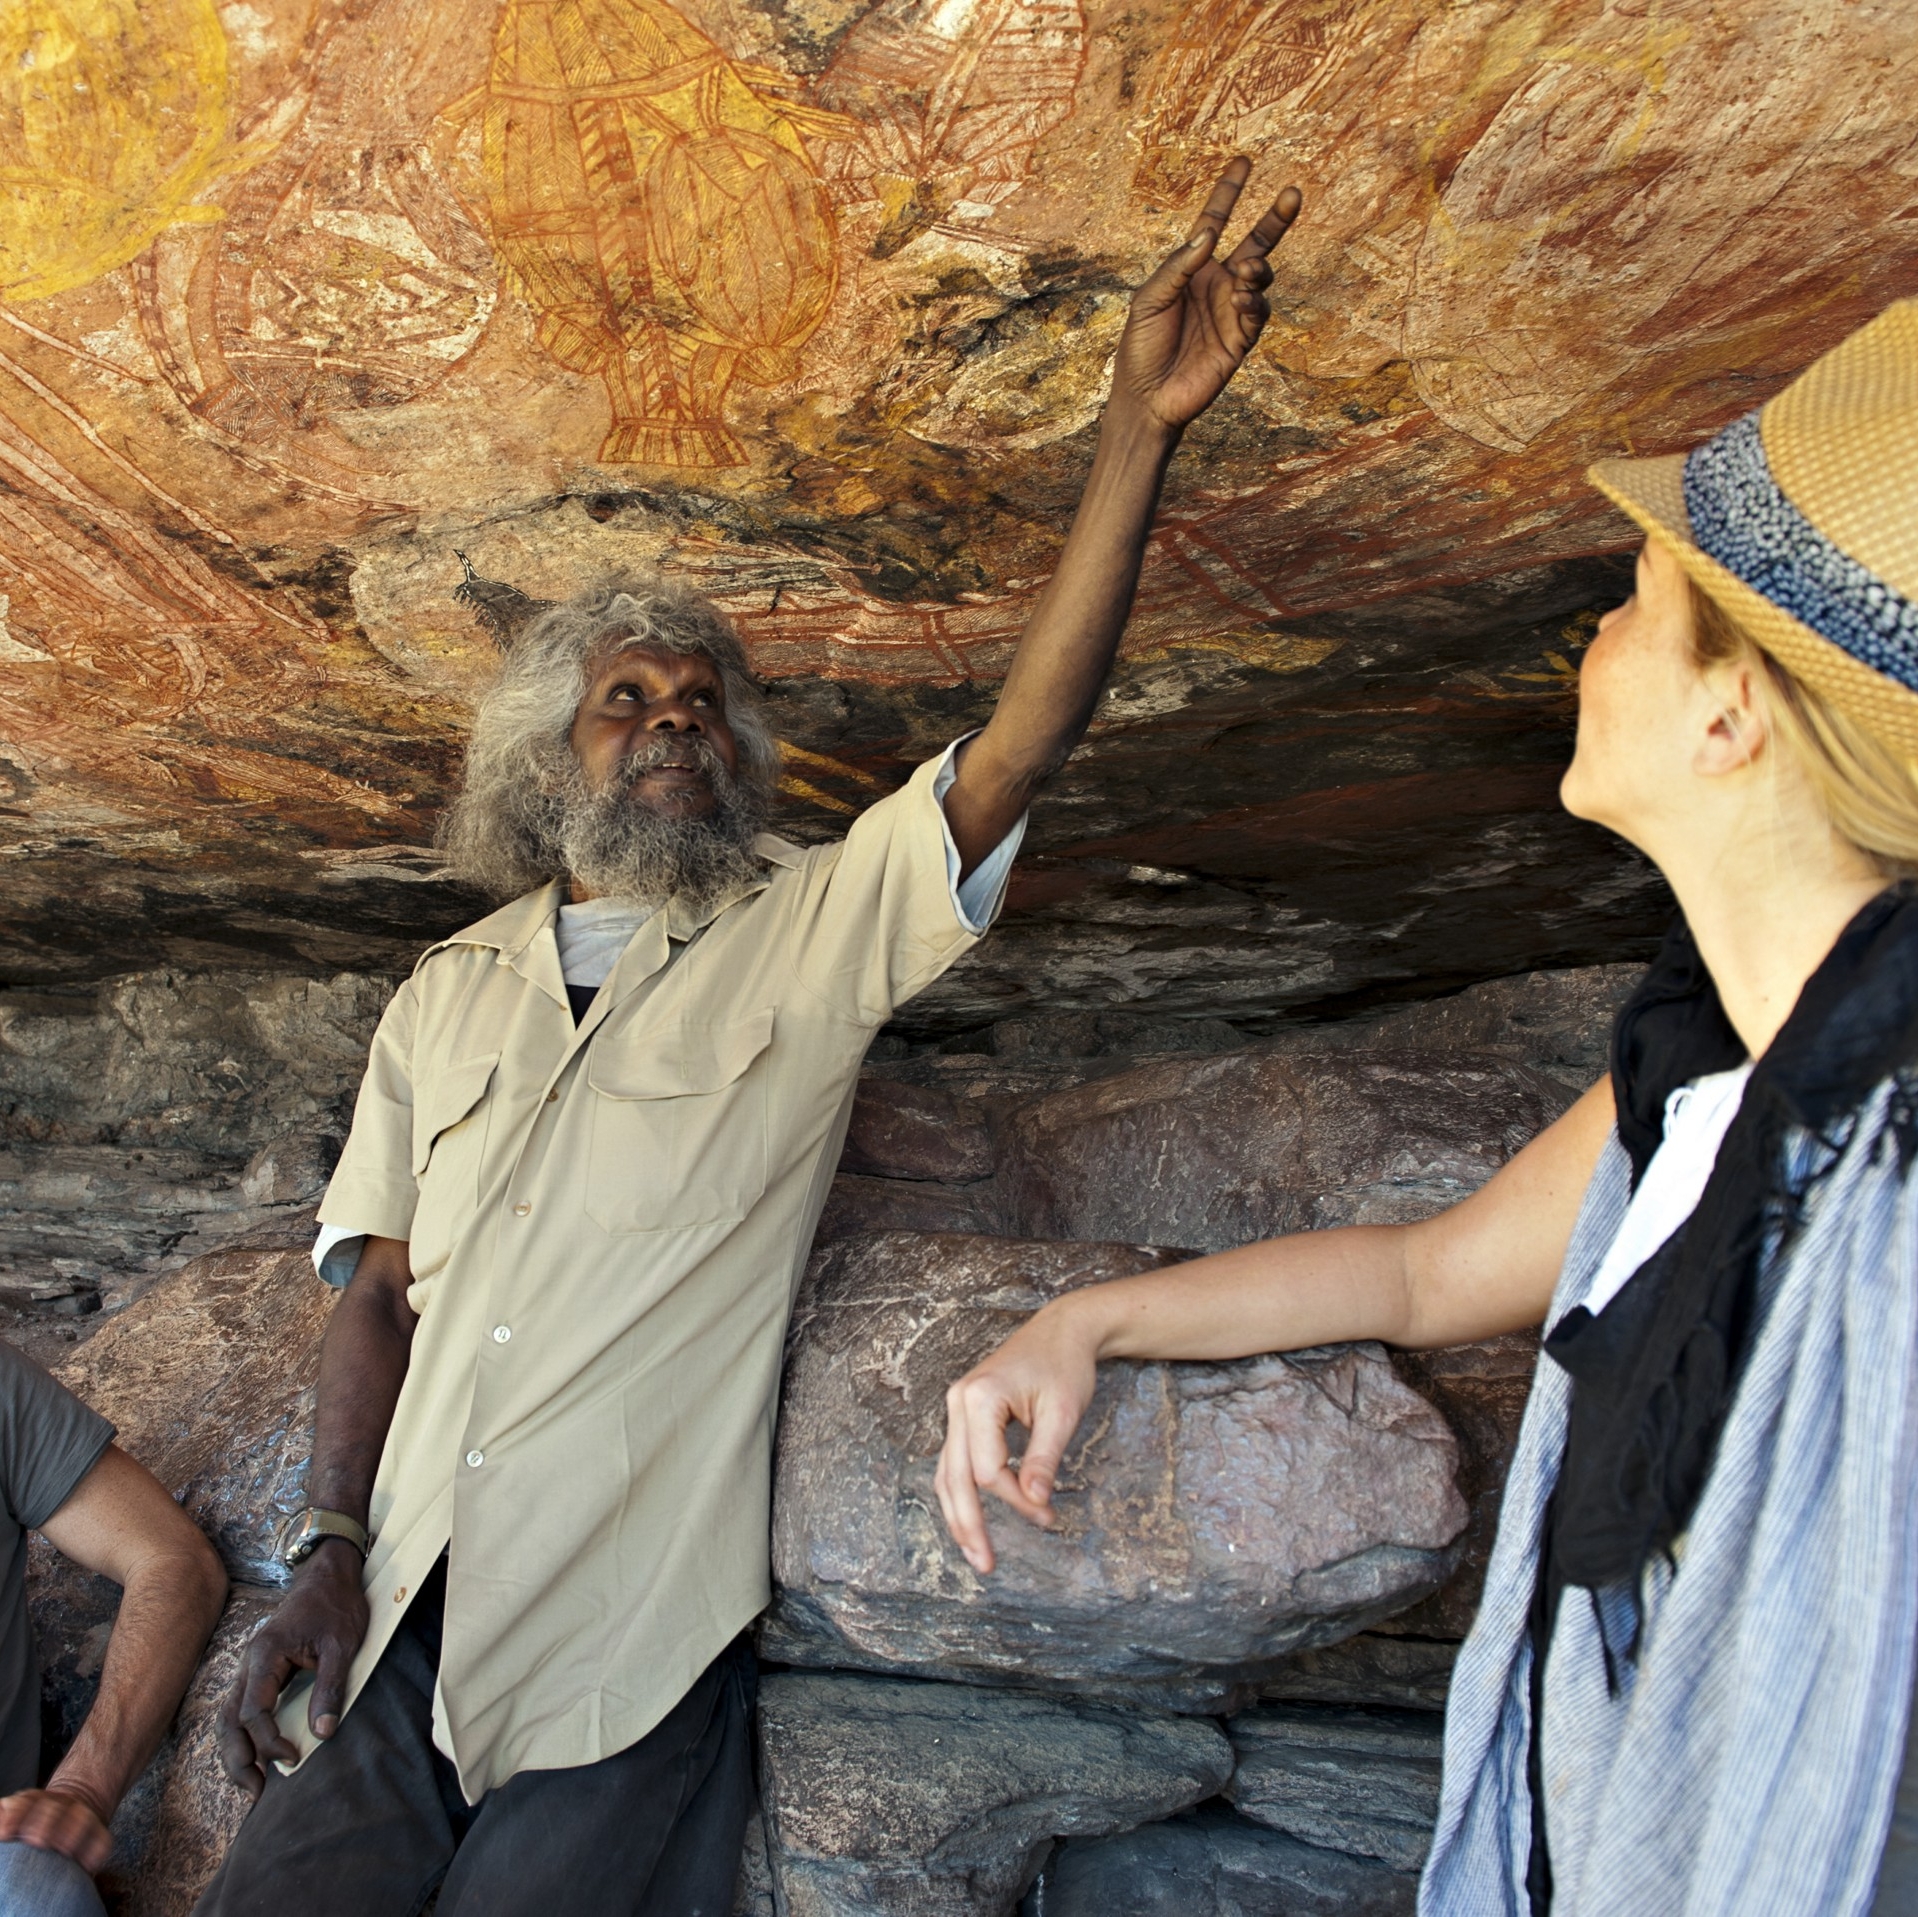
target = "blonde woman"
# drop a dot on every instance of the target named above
(1689, 1685)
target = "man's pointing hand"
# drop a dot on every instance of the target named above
(1194, 321)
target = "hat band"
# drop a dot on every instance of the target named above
(1741, 518)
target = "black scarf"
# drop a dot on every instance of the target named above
(1654, 1374)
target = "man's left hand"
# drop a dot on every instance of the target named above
(57, 1820)
(1194, 321)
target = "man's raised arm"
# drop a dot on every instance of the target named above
(1192, 324)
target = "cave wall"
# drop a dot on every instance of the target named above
(812, 301)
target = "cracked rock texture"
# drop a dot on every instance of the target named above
(835, 354)
(1183, 1567)
(1212, 1152)
(1217, 1864)
(1360, 1781)
(929, 1800)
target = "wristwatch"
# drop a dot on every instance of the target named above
(309, 1529)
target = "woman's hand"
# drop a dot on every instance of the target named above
(1041, 1377)
(1194, 321)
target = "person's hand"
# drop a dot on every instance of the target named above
(1041, 1377)
(320, 1625)
(1194, 321)
(57, 1819)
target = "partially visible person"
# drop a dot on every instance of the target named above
(61, 1474)
(1689, 1685)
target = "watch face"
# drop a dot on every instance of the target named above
(297, 1539)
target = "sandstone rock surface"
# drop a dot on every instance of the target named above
(1362, 1781)
(1212, 1152)
(209, 1379)
(1384, 1666)
(1214, 1518)
(932, 1800)
(1216, 1864)
(258, 401)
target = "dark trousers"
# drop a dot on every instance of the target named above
(373, 1822)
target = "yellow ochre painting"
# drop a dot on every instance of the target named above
(654, 201)
(113, 114)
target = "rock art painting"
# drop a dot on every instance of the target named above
(812, 301)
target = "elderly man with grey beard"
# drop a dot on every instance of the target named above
(589, 1153)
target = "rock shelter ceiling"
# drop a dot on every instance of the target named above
(812, 301)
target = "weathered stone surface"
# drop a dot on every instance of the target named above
(1212, 1152)
(221, 1063)
(857, 1205)
(1211, 1864)
(1362, 1781)
(1482, 1390)
(261, 396)
(209, 1379)
(754, 1895)
(1558, 1023)
(1371, 1667)
(933, 1800)
(912, 1131)
(1184, 1560)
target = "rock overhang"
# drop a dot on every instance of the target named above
(326, 342)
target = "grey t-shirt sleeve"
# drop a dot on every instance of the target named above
(49, 1440)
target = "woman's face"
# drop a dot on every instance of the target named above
(1640, 708)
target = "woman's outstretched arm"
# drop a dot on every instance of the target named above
(1485, 1266)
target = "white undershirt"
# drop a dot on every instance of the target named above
(591, 938)
(1697, 1117)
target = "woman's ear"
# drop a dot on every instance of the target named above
(1738, 727)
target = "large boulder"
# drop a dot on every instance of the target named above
(1482, 1390)
(1210, 1152)
(209, 1379)
(1214, 1863)
(932, 1800)
(1213, 1518)
(1361, 1781)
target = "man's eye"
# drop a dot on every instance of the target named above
(704, 699)
(624, 692)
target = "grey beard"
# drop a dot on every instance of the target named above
(621, 849)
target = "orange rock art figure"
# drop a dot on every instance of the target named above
(1225, 63)
(346, 275)
(113, 114)
(951, 97)
(655, 202)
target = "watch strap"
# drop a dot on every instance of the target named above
(314, 1526)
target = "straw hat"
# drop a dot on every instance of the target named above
(1801, 520)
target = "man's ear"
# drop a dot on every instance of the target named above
(1738, 728)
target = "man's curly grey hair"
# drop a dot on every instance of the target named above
(501, 830)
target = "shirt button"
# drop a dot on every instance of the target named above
(553, 1094)
(476, 1459)
(501, 1333)
(521, 1209)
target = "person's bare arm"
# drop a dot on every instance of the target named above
(321, 1622)
(1191, 326)
(120, 1522)
(1485, 1266)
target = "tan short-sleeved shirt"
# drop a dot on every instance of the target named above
(607, 1225)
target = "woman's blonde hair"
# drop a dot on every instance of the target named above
(1869, 788)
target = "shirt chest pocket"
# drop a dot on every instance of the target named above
(679, 1124)
(449, 1125)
